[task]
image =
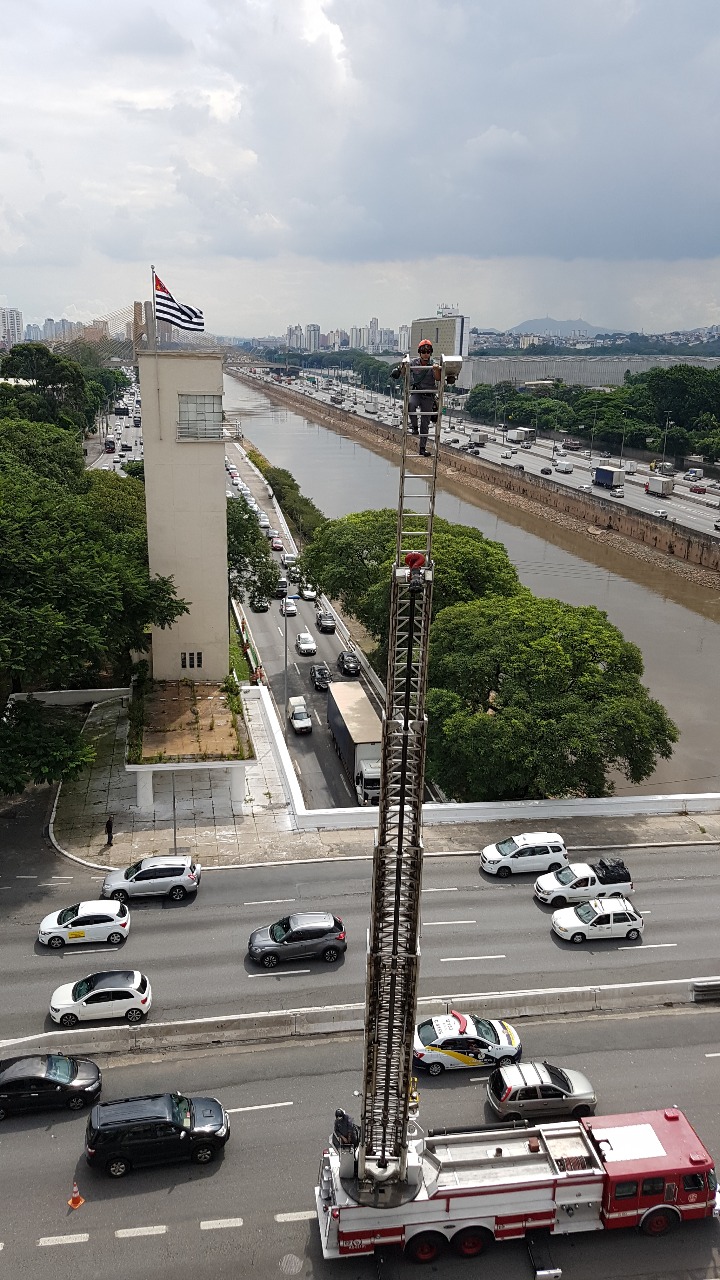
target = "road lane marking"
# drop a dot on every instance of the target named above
(302, 1215)
(318, 718)
(286, 973)
(261, 1106)
(428, 924)
(450, 889)
(296, 667)
(26, 877)
(461, 959)
(266, 902)
(81, 1238)
(649, 946)
(712, 1055)
(646, 913)
(124, 1233)
(217, 1224)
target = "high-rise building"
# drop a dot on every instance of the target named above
(365, 338)
(295, 337)
(11, 326)
(312, 337)
(373, 342)
(49, 329)
(33, 333)
(387, 340)
(354, 337)
(449, 331)
(404, 338)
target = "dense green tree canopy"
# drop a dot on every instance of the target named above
(64, 391)
(350, 559)
(253, 571)
(531, 698)
(40, 744)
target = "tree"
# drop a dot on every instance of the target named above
(531, 698)
(351, 560)
(46, 450)
(40, 744)
(251, 566)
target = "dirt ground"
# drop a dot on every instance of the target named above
(189, 721)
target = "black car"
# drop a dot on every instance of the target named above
(320, 676)
(47, 1080)
(156, 1129)
(125, 448)
(259, 604)
(348, 664)
(325, 622)
(546, 471)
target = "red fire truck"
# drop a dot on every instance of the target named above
(467, 1188)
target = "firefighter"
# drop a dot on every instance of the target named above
(424, 377)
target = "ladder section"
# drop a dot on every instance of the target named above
(393, 955)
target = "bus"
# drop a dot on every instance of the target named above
(109, 445)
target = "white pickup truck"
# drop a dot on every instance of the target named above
(298, 715)
(581, 881)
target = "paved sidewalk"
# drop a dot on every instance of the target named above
(264, 830)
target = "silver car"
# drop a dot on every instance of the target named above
(536, 1089)
(172, 877)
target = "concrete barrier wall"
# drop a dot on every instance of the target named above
(258, 1028)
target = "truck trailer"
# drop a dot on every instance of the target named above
(659, 486)
(518, 435)
(608, 477)
(357, 733)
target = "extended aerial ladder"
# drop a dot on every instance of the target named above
(376, 1169)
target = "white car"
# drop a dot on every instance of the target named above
(118, 994)
(86, 922)
(289, 608)
(453, 1040)
(531, 851)
(308, 592)
(600, 918)
(305, 644)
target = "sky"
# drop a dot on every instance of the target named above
(324, 161)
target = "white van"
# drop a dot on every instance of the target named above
(564, 467)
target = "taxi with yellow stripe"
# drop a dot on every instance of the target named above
(86, 922)
(455, 1040)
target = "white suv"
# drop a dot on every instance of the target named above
(532, 851)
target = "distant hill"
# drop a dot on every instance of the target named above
(563, 327)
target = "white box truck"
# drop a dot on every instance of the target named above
(357, 732)
(659, 486)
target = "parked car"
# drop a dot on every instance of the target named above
(325, 621)
(348, 664)
(117, 994)
(301, 936)
(532, 1090)
(531, 851)
(170, 875)
(455, 1040)
(599, 919)
(85, 922)
(305, 644)
(130, 1132)
(320, 676)
(44, 1080)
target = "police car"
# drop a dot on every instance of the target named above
(464, 1040)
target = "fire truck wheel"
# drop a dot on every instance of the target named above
(425, 1247)
(471, 1242)
(658, 1223)
(435, 1069)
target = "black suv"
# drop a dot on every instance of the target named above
(320, 675)
(348, 664)
(324, 621)
(157, 1129)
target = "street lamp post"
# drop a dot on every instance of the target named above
(622, 445)
(668, 423)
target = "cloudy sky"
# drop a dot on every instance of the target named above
(324, 160)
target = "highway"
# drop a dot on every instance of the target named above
(478, 935)
(320, 773)
(690, 510)
(251, 1212)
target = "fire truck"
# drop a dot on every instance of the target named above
(386, 1181)
(471, 1187)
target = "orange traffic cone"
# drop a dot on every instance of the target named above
(76, 1199)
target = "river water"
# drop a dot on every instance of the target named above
(674, 622)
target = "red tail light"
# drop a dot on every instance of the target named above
(506, 1094)
(90, 1151)
(340, 937)
(191, 876)
(417, 1055)
(144, 1000)
(123, 924)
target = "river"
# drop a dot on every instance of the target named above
(674, 622)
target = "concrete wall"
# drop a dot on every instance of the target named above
(585, 371)
(186, 513)
(669, 539)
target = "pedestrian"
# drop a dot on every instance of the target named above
(424, 377)
(109, 830)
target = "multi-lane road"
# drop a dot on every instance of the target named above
(695, 511)
(478, 935)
